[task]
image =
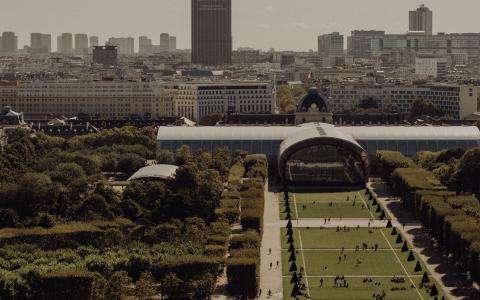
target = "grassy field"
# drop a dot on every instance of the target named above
(328, 205)
(318, 252)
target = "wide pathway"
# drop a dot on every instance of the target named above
(271, 278)
(451, 279)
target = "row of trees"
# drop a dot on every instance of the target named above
(453, 218)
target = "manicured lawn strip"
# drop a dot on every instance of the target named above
(329, 238)
(318, 205)
(357, 289)
(381, 263)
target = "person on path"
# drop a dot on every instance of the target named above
(277, 263)
(259, 292)
(269, 251)
(269, 293)
(271, 265)
(321, 282)
(339, 259)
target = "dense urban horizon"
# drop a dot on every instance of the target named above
(268, 22)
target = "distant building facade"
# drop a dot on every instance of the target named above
(81, 44)
(211, 32)
(421, 19)
(65, 43)
(9, 42)
(165, 42)
(456, 101)
(105, 55)
(196, 100)
(173, 43)
(144, 45)
(101, 99)
(331, 45)
(93, 41)
(431, 67)
(40, 43)
(126, 45)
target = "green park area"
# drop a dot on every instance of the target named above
(389, 269)
(348, 205)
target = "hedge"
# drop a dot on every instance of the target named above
(70, 235)
(388, 161)
(249, 239)
(242, 277)
(215, 250)
(453, 219)
(236, 173)
(71, 284)
(188, 267)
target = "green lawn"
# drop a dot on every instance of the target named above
(357, 289)
(321, 252)
(329, 238)
(328, 205)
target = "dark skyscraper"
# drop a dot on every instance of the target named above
(211, 32)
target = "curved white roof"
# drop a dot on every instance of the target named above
(321, 130)
(412, 132)
(258, 132)
(155, 171)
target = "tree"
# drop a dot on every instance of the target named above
(183, 155)
(165, 157)
(144, 286)
(211, 119)
(288, 97)
(405, 247)
(468, 168)
(425, 278)
(117, 285)
(434, 291)
(170, 286)
(421, 108)
(418, 267)
(129, 163)
(66, 172)
(411, 257)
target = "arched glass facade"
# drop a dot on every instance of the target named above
(323, 165)
(323, 162)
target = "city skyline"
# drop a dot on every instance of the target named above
(260, 24)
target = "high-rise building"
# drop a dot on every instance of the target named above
(81, 43)
(165, 42)
(421, 20)
(40, 43)
(173, 43)
(211, 32)
(9, 42)
(65, 43)
(93, 41)
(144, 45)
(330, 44)
(359, 43)
(126, 45)
(105, 55)
(47, 42)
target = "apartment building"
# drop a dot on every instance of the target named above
(103, 99)
(196, 100)
(456, 101)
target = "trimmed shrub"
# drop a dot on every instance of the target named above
(242, 277)
(215, 250)
(72, 284)
(249, 239)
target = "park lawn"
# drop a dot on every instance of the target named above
(329, 238)
(373, 263)
(357, 289)
(317, 205)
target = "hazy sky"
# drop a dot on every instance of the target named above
(281, 24)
